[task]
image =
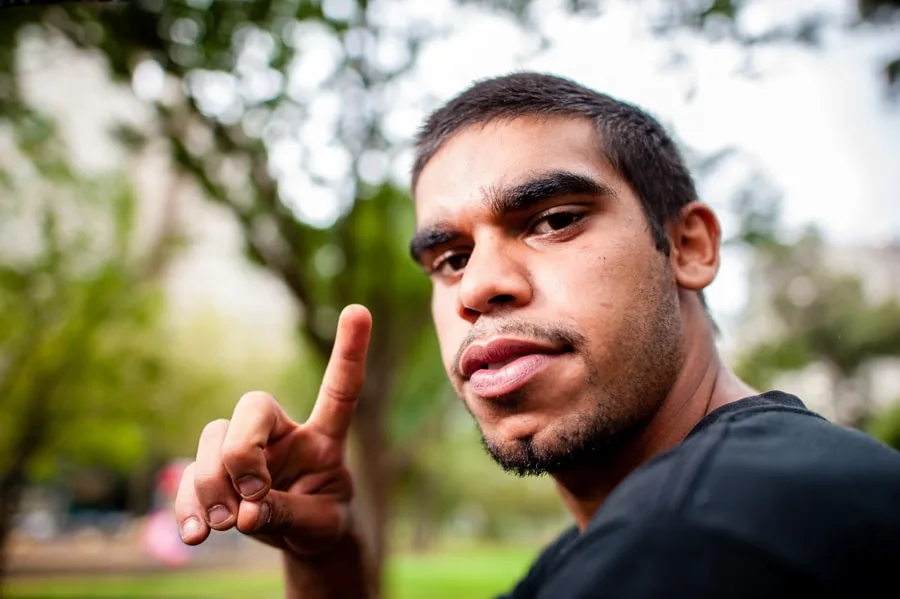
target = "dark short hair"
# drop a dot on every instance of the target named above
(635, 144)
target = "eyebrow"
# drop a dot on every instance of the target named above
(503, 201)
(543, 187)
(429, 238)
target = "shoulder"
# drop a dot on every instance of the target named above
(764, 498)
(774, 479)
(771, 455)
(758, 447)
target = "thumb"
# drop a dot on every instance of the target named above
(306, 523)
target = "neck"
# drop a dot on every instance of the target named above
(703, 385)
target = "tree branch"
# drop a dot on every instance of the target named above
(279, 264)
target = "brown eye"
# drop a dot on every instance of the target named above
(556, 222)
(451, 264)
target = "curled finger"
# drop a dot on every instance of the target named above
(212, 485)
(188, 511)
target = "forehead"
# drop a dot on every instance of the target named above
(501, 153)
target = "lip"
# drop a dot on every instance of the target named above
(501, 350)
(493, 384)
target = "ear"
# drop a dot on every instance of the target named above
(696, 238)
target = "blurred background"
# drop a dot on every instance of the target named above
(190, 190)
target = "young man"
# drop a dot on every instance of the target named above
(568, 254)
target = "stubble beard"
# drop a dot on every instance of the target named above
(621, 408)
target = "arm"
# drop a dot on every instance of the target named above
(342, 573)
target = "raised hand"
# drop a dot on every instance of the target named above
(284, 482)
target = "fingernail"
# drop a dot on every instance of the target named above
(250, 485)
(218, 515)
(264, 514)
(191, 528)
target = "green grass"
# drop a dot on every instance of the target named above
(474, 573)
(464, 573)
(168, 586)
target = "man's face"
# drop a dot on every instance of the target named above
(557, 318)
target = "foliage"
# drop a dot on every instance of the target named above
(726, 18)
(762, 363)
(87, 374)
(73, 309)
(824, 316)
(72, 337)
(885, 425)
(277, 109)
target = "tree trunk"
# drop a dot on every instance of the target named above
(423, 518)
(375, 474)
(11, 487)
(13, 481)
(374, 480)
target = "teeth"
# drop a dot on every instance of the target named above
(499, 365)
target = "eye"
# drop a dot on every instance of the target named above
(556, 221)
(450, 264)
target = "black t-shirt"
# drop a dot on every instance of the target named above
(763, 499)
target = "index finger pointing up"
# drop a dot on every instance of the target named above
(344, 374)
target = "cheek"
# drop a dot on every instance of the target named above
(594, 275)
(599, 286)
(450, 329)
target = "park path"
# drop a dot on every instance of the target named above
(91, 552)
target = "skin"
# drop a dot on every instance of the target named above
(527, 233)
(647, 369)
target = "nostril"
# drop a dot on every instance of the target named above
(501, 299)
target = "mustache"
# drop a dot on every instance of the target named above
(551, 333)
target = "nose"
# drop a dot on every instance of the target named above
(494, 278)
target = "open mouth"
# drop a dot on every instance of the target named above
(505, 365)
(500, 353)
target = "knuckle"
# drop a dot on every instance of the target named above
(278, 520)
(236, 451)
(186, 484)
(206, 482)
(341, 393)
(256, 400)
(214, 429)
(332, 521)
(188, 472)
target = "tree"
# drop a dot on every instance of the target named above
(824, 316)
(89, 375)
(242, 88)
(885, 426)
(725, 18)
(277, 110)
(74, 305)
(362, 257)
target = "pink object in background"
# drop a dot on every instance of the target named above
(161, 538)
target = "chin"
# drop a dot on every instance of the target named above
(534, 448)
(524, 445)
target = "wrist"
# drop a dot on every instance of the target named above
(341, 572)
